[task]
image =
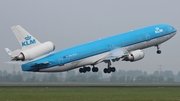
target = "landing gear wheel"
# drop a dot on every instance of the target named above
(88, 69)
(105, 70)
(95, 69)
(109, 70)
(158, 51)
(113, 69)
(82, 70)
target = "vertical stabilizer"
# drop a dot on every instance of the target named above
(25, 39)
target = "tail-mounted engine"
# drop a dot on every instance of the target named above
(134, 56)
(35, 52)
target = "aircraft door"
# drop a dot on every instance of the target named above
(147, 40)
(147, 37)
(61, 62)
(111, 47)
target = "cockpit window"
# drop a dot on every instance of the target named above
(172, 28)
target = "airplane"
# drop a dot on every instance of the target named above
(41, 57)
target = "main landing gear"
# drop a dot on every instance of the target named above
(88, 69)
(158, 49)
(84, 69)
(109, 69)
(95, 69)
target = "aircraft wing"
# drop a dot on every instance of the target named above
(116, 54)
(36, 66)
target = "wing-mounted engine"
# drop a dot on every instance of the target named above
(134, 56)
(35, 52)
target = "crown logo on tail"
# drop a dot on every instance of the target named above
(27, 37)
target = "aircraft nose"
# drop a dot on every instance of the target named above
(173, 30)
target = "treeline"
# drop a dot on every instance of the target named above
(121, 76)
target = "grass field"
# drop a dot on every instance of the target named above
(89, 94)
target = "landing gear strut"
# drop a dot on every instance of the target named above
(158, 49)
(109, 69)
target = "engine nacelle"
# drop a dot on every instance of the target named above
(35, 52)
(135, 55)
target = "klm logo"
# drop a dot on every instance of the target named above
(158, 30)
(28, 41)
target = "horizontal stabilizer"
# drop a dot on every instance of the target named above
(8, 51)
(15, 62)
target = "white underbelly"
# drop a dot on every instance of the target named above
(75, 64)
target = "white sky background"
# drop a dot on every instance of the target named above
(72, 22)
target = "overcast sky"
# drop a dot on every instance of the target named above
(72, 22)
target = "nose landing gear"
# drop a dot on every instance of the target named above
(158, 49)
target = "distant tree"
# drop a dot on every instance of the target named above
(1, 73)
(45, 78)
(100, 74)
(122, 79)
(170, 80)
(71, 79)
(178, 74)
(124, 73)
(81, 78)
(53, 78)
(137, 73)
(153, 79)
(5, 73)
(14, 72)
(168, 74)
(7, 78)
(60, 77)
(178, 77)
(70, 73)
(113, 79)
(128, 80)
(93, 78)
(139, 79)
(16, 78)
(145, 73)
(130, 73)
(145, 79)
(156, 73)
(32, 80)
(161, 79)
